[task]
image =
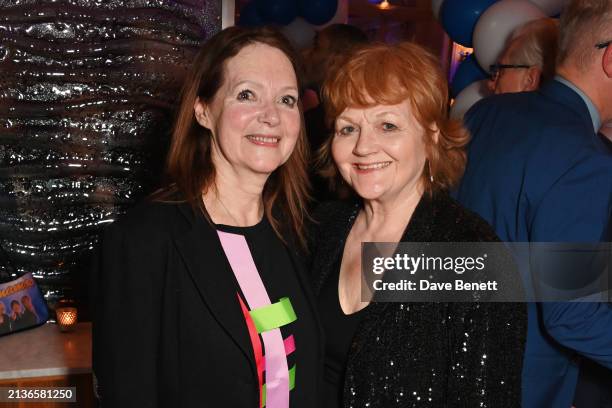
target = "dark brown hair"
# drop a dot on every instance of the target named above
(387, 75)
(189, 166)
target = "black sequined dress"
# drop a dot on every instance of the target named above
(426, 354)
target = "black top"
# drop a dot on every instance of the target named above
(280, 280)
(168, 330)
(426, 354)
(340, 329)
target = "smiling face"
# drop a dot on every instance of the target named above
(380, 150)
(254, 116)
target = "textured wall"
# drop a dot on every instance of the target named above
(87, 91)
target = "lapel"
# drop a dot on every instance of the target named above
(297, 258)
(212, 275)
(334, 243)
(300, 271)
(567, 97)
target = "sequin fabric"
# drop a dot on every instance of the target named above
(87, 92)
(427, 354)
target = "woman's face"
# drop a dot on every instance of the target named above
(380, 150)
(254, 116)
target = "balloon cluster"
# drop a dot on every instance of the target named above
(486, 26)
(298, 18)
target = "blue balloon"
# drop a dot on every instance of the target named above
(277, 11)
(467, 73)
(249, 16)
(317, 12)
(459, 17)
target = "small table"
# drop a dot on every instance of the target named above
(46, 357)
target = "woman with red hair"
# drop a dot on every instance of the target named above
(394, 148)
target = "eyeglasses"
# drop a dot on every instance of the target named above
(495, 69)
(602, 45)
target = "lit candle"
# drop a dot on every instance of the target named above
(384, 5)
(66, 318)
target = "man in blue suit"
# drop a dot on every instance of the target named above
(538, 172)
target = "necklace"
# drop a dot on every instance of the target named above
(227, 211)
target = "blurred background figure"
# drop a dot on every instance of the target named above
(329, 43)
(529, 58)
(533, 158)
(329, 46)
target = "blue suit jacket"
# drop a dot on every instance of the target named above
(537, 172)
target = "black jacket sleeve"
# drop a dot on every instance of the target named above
(126, 329)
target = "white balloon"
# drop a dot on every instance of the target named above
(436, 5)
(495, 26)
(341, 16)
(468, 97)
(550, 7)
(300, 33)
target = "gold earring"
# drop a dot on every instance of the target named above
(431, 177)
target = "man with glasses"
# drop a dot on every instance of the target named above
(529, 58)
(537, 171)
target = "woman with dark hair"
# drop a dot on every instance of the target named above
(395, 149)
(201, 297)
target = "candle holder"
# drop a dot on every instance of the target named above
(66, 318)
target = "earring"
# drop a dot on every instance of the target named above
(431, 177)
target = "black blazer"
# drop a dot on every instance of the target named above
(168, 329)
(427, 354)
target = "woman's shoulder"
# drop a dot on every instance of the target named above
(329, 222)
(460, 224)
(333, 215)
(151, 219)
(333, 209)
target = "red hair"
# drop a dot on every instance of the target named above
(382, 74)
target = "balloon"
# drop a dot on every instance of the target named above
(435, 7)
(341, 16)
(459, 17)
(317, 12)
(300, 33)
(249, 16)
(468, 72)
(468, 97)
(496, 25)
(550, 7)
(277, 11)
